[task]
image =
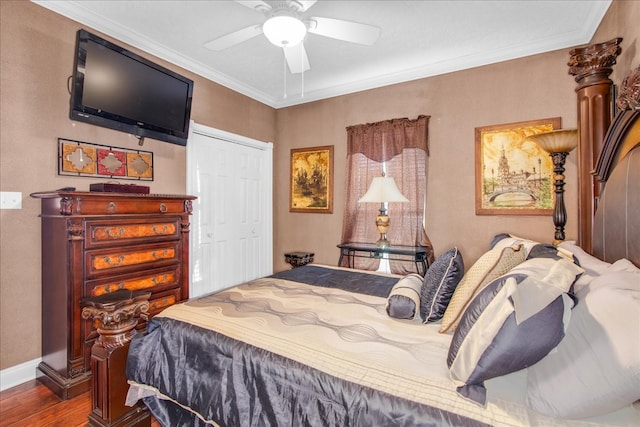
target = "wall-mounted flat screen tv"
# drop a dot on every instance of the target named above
(115, 88)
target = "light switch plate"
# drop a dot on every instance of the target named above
(10, 200)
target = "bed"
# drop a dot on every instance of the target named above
(531, 334)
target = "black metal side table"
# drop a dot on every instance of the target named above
(415, 254)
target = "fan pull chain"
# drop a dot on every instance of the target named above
(284, 73)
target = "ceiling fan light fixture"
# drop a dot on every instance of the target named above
(284, 30)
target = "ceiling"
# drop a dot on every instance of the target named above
(417, 39)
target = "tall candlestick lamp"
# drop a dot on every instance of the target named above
(558, 143)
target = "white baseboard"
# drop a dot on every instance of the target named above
(18, 374)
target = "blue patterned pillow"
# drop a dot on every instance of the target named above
(440, 281)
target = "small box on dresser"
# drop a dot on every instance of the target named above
(95, 243)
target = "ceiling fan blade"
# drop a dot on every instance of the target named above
(260, 6)
(297, 59)
(344, 30)
(304, 4)
(234, 38)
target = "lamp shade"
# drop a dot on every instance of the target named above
(284, 30)
(557, 141)
(383, 189)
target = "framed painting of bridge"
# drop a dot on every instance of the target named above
(311, 180)
(514, 176)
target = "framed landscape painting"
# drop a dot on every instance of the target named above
(311, 180)
(514, 176)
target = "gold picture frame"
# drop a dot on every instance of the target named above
(514, 176)
(311, 180)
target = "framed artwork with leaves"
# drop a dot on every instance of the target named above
(77, 158)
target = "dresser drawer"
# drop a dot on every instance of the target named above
(148, 280)
(101, 262)
(117, 204)
(160, 301)
(124, 232)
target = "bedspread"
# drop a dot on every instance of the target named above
(275, 352)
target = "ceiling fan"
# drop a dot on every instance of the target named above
(286, 27)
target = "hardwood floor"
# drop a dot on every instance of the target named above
(33, 404)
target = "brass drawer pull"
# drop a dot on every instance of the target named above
(111, 207)
(160, 230)
(163, 208)
(114, 262)
(114, 232)
(162, 254)
(160, 279)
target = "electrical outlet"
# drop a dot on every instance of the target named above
(10, 200)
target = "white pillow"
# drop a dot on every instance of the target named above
(596, 367)
(615, 273)
(592, 266)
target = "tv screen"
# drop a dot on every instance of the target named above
(118, 89)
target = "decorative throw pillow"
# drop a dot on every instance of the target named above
(440, 281)
(496, 336)
(596, 368)
(403, 301)
(492, 264)
(497, 238)
(504, 240)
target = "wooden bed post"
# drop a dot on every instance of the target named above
(591, 66)
(117, 316)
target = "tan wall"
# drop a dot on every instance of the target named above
(37, 48)
(525, 89)
(622, 20)
(531, 88)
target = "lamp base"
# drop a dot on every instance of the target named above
(383, 242)
(382, 224)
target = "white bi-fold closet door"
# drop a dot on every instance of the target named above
(231, 226)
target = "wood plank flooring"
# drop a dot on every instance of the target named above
(33, 404)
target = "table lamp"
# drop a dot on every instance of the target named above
(383, 189)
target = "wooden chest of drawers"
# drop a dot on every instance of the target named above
(95, 243)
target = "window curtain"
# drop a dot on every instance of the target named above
(401, 146)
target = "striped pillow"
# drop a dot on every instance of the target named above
(511, 324)
(491, 265)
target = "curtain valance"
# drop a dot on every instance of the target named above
(382, 141)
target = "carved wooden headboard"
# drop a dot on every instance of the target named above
(616, 228)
